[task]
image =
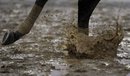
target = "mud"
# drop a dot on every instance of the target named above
(101, 46)
(42, 51)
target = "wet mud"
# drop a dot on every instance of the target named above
(42, 52)
(102, 46)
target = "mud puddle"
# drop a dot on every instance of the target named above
(41, 52)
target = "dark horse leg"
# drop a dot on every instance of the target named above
(85, 9)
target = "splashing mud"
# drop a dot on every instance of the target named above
(103, 45)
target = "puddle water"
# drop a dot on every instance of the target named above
(41, 52)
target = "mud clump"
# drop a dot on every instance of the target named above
(94, 47)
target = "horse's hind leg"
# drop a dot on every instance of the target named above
(85, 9)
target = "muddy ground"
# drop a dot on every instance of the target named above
(41, 52)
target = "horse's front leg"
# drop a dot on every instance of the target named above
(25, 27)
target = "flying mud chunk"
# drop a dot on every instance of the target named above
(103, 46)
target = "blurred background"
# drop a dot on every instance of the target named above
(41, 52)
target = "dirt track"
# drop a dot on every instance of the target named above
(41, 53)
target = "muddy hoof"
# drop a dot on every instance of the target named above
(102, 46)
(10, 37)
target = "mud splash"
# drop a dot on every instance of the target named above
(101, 46)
